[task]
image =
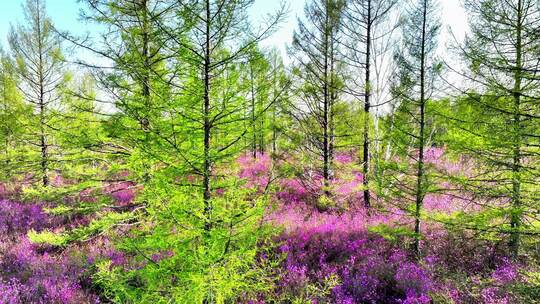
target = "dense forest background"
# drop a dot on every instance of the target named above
(188, 163)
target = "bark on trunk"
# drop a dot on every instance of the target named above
(515, 218)
(420, 175)
(42, 108)
(326, 154)
(207, 127)
(367, 105)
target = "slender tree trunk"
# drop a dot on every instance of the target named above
(326, 155)
(253, 117)
(274, 131)
(515, 218)
(333, 98)
(420, 175)
(145, 53)
(42, 108)
(367, 93)
(145, 121)
(43, 143)
(274, 115)
(261, 127)
(207, 163)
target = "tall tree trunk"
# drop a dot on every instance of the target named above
(145, 121)
(515, 218)
(42, 108)
(207, 163)
(367, 95)
(261, 126)
(420, 170)
(274, 116)
(43, 143)
(274, 132)
(333, 98)
(326, 155)
(253, 117)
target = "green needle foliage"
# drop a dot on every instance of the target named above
(502, 59)
(157, 162)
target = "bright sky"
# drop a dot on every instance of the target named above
(65, 14)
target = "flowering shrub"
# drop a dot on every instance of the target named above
(369, 268)
(337, 242)
(344, 158)
(505, 273)
(294, 191)
(34, 274)
(122, 193)
(17, 218)
(256, 171)
(330, 249)
(36, 277)
(345, 191)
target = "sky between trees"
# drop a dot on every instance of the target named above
(65, 15)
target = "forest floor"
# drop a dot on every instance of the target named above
(330, 252)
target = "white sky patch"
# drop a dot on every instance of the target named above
(65, 14)
(453, 15)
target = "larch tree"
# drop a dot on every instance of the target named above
(217, 41)
(315, 49)
(501, 53)
(368, 32)
(36, 49)
(279, 79)
(132, 76)
(419, 69)
(268, 88)
(173, 79)
(258, 74)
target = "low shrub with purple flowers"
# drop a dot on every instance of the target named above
(369, 269)
(327, 251)
(41, 273)
(367, 255)
(32, 273)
